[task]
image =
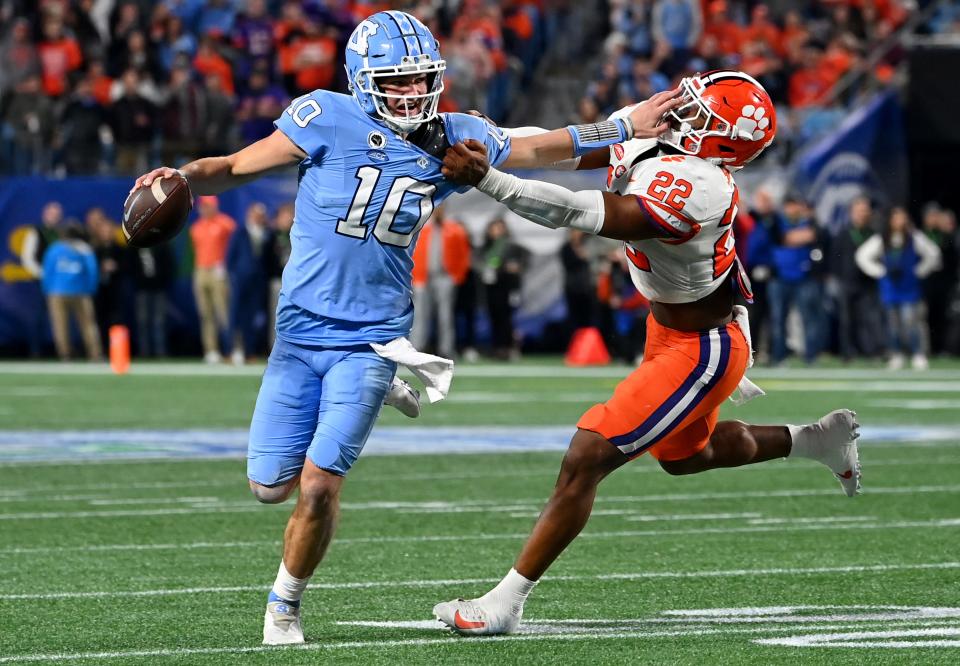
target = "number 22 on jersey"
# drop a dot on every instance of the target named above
(675, 198)
(724, 251)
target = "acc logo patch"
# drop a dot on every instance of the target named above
(376, 140)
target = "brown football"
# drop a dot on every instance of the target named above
(155, 214)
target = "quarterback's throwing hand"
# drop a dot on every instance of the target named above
(648, 117)
(466, 163)
(147, 179)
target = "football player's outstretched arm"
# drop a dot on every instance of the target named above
(553, 206)
(545, 149)
(213, 175)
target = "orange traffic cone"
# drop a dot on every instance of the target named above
(119, 349)
(587, 348)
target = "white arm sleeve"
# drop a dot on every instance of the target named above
(929, 252)
(869, 257)
(548, 205)
(28, 254)
(520, 132)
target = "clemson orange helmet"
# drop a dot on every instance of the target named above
(726, 117)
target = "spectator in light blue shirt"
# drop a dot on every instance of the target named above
(70, 279)
(678, 23)
(645, 81)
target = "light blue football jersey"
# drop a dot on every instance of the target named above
(364, 194)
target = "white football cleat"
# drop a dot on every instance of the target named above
(404, 398)
(472, 617)
(833, 441)
(281, 624)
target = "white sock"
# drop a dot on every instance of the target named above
(803, 445)
(512, 591)
(287, 586)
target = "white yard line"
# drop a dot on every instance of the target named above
(403, 584)
(447, 640)
(146, 485)
(492, 371)
(468, 506)
(549, 468)
(933, 637)
(933, 403)
(798, 525)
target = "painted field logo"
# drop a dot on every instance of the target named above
(778, 626)
(828, 626)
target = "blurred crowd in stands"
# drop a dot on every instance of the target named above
(110, 86)
(883, 288)
(92, 281)
(812, 56)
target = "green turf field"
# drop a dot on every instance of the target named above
(113, 559)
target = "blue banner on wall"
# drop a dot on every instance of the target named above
(22, 307)
(865, 155)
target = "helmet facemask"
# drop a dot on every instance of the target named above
(365, 83)
(693, 121)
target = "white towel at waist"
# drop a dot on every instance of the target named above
(435, 372)
(746, 389)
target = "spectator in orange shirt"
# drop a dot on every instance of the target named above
(438, 269)
(59, 56)
(762, 29)
(209, 61)
(211, 237)
(837, 59)
(727, 33)
(810, 83)
(794, 35)
(100, 83)
(309, 58)
(757, 60)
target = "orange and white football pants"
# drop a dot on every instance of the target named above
(670, 404)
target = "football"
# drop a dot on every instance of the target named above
(154, 215)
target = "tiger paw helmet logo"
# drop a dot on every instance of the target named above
(752, 124)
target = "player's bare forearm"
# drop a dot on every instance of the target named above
(540, 150)
(645, 121)
(213, 175)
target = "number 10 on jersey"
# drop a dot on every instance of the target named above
(352, 225)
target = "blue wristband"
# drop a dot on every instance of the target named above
(599, 135)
